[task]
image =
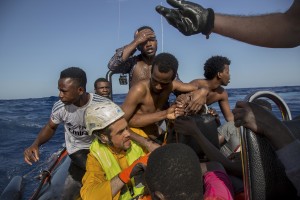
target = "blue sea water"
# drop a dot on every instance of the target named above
(22, 119)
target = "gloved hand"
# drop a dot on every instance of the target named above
(189, 18)
(135, 169)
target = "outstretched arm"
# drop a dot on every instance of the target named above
(145, 119)
(31, 154)
(276, 30)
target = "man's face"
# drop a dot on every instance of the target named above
(225, 76)
(160, 81)
(102, 89)
(120, 135)
(149, 47)
(69, 91)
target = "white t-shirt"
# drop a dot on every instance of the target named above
(76, 135)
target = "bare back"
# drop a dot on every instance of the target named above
(141, 71)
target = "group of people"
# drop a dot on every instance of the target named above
(120, 150)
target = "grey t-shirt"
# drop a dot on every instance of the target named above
(76, 135)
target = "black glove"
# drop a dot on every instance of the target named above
(189, 18)
(138, 174)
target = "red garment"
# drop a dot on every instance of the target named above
(217, 186)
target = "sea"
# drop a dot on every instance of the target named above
(22, 119)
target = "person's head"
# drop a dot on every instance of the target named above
(174, 172)
(71, 85)
(105, 120)
(263, 103)
(163, 72)
(149, 47)
(217, 67)
(102, 87)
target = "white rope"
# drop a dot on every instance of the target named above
(162, 31)
(119, 25)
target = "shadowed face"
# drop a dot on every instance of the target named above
(160, 81)
(225, 76)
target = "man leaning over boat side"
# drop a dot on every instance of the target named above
(144, 105)
(69, 110)
(114, 161)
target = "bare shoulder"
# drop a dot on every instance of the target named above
(199, 82)
(140, 88)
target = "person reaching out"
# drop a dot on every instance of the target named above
(274, 30)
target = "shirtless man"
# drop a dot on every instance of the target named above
(144, 103)
(216, 73)
(139, 66)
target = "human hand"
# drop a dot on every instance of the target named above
(188, 17)
(214, 113)
(197, 100)
(143, 36)
(261, 121)
(136, 168)
(183, 99)
(31, 154)
(253, 116)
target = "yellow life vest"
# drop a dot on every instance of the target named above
(111, 167)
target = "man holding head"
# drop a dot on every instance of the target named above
(138, 66)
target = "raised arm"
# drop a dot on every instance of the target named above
(122, 61)
(275, 30)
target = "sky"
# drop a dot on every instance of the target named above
(40, 38)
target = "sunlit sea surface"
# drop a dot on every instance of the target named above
(22, 119)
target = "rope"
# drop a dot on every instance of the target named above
(162, 31)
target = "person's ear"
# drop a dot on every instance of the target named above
(80, 90)
(219, 75)
(104, 139)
